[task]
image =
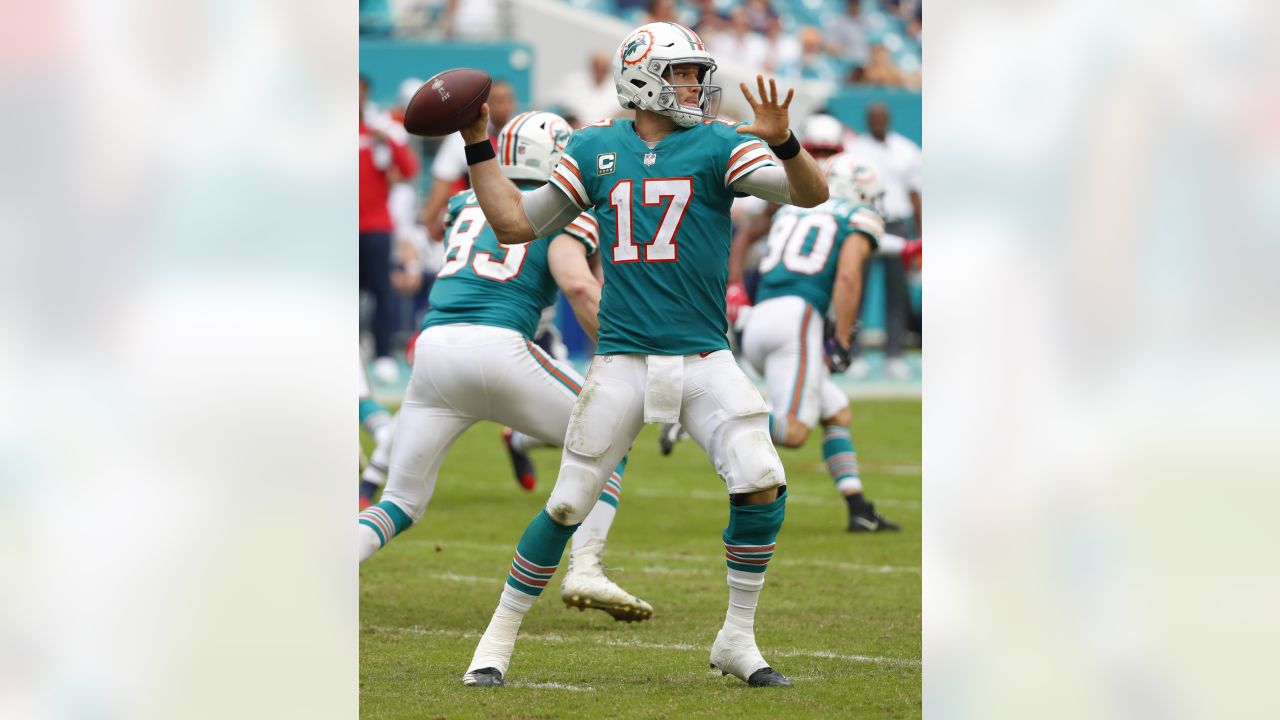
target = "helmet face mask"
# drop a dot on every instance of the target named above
(642, 73)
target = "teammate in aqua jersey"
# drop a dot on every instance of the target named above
(815, 264)
(661, 187)
(474, 361)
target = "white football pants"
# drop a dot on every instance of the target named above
(720, 409)
(463, 374)
(783, 342)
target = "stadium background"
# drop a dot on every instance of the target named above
(537, 45)
(842, 612)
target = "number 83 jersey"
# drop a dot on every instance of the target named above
(804, 249)
(485, 283)
(664, 228)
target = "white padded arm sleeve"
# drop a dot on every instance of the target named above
(548, 209)
(767, 183)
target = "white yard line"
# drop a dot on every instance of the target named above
(687, 557)
(552, 686)
(638, 644)
(721, 497)
(466, 578)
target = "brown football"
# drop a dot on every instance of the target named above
(447, 102)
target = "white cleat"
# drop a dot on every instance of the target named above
(735, 653)
(493, 653)
(586, 586)
(484, 677)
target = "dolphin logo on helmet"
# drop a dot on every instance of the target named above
(854, 179)
(530, 145)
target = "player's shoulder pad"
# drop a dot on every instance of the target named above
(586, 229)
(865, 220)
(592, 134)
(456, 203)
(466, 197)
(576, 165)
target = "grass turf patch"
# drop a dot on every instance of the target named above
(839, 615)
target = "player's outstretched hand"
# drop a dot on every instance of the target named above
(479, 128)
(770, 122)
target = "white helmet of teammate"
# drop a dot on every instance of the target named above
(822, 133)
(645, 56)
(854, 179)
(530, 145)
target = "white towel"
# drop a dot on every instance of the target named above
(663, 388)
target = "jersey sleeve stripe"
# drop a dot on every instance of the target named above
(565, 183)
(743, 148)
(587, 222)
(863, 219)
(585, 226)
(581, 229)
(744, 169)
(586, 237)
(572, 165)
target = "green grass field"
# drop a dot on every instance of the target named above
(839, 615)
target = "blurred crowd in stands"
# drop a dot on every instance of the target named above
(872, 42)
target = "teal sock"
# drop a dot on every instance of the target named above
(386, 519)
(612, 492)
(538, 554)
(373, 415)
(842, 459)
(752, 534)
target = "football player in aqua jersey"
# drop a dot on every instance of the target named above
(660, 187)
(814, 264)
(474, 360)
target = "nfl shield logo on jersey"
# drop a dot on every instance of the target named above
(650, 158)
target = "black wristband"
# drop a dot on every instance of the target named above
(788, 149)
(479, 152)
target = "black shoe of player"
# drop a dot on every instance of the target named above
(485, 677)
(866, 519)
(526, 473)
(768, 677)
(668, 436)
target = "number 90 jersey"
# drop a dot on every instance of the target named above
(804, 249)
(664, 229)
(485, 283)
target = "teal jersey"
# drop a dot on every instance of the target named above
(664, 229)
(484, 282)
(804, 249)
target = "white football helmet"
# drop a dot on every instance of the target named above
(854, 179)
(645, 56)
(529, 146)
(822, 133)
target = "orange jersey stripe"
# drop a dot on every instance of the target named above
(740, 153)
(743, 169)
(564, 184)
